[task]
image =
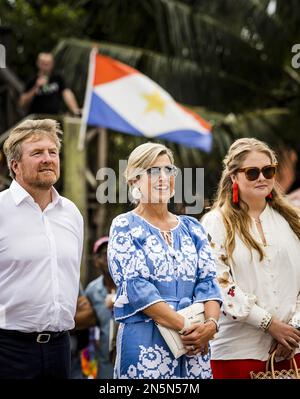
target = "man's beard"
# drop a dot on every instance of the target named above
(45, 182)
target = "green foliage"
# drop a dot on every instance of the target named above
(38, 26)
(229, 59)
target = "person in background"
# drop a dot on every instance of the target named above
(287, 174)
(287, 167)
(101, 293)
(85, 318)
(255, 235)
(160, 263)
(4, 180)
(44, 92)
(41, 240)
(294, 197)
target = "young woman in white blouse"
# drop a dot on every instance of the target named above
(255, 236)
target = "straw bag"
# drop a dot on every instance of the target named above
(291, 374)
(195, 314)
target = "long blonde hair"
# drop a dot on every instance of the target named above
(236, 218)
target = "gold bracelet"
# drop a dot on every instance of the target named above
(266, 322)
(214, 321)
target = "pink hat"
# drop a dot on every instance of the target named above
(99, 243)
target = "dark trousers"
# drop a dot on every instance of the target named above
(22, 357)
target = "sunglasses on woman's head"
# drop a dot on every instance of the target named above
(252, 173)
(169, 171)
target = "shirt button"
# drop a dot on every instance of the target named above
(275, 292)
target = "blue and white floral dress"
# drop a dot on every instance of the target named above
(147, 270)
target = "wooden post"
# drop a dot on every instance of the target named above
(102, 163)
(74, 165)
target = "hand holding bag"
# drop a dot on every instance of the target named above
(291, 374)
(195, 314)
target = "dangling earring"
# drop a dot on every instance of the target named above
(235, 193)
(136, 193)
(269, 197)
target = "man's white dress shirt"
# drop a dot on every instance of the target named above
(252, 288)
(40, 255)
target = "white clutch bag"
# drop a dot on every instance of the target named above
(195, 314)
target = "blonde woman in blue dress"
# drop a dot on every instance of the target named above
(160, 263)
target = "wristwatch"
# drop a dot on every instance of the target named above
(214, 321)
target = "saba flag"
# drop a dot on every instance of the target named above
(121, 98)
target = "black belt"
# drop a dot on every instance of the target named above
(42, 337)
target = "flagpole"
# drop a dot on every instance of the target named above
(87, 98)
(102, 143)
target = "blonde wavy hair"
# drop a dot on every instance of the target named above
(236, 218)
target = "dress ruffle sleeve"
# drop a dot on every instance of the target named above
(206, 286)
(130, 273)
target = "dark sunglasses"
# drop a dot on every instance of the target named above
(169, 171)
(252, 173)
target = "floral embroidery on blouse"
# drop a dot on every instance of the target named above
(231, 291)
(235, 302)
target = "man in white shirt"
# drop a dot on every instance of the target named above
(41, 237)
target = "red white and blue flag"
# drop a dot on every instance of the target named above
(121, 98)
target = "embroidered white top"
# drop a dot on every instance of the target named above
(252, 288)
(40, 253)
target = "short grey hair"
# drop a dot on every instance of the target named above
(29, 129)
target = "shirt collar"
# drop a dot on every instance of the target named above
(56, 198)
(19, 194)
(265, 212)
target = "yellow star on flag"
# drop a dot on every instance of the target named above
(155, 102)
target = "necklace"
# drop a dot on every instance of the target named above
(257, 221)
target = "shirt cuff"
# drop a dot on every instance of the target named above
(295, 321)
(258, 317)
